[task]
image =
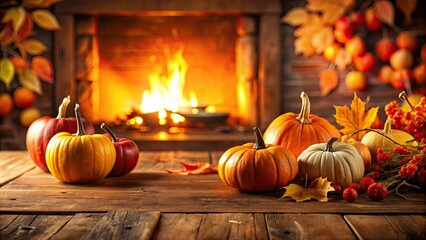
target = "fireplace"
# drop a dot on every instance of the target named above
(108, 51)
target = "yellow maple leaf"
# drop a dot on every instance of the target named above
(318, 190)
(331, 9)
(355, 118)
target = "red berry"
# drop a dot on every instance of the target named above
(350, 194)
(337, 189)
(366, 182)
(377, 191)
(355, 186)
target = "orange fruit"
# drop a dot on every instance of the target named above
(407, 40)
(356, 81)
(6, 104)
(23, 97)
(384, 74)
(330, 51)
(28, 116)
(401, 59)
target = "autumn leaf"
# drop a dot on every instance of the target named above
(322, 38)
(34, 46)
(194, 169)
(16, 15)
(330, 10)
(25, 30)
(318, 190)
(355, 118)
(28, 79)
(342, 59)
(296, 16)
(19, 62)
(312, 36)
(39, 3)
(329, 80)
(43, 68)
(7, 71)
(407, 7)
(385, 12)
(45, 20)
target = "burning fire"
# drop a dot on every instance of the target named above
(166, 90)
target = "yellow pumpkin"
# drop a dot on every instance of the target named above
(80, 158)
(387, 138)
(297, 132)
(337, 161)
(257, 167)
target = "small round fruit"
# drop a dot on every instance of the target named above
(406, 40)
(343, 35)
(355, 81)
(423, 52)
(384, 48)
(355, 46)
(6, 104)
(366, 182)
(28, 116)
(365, 62)
(356, 19)
(330, 51)
(343, 23)
(419, 74)
(337, 189)
(377, 191)
(384, 74)
(24, 97)
(355, 186)
(401, 58)
(401, 78)
(371, 20)
(350, 194)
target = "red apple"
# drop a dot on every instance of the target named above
(343, 23)
(371, 20)
(384, 74)
(401, 78)
(406, 40)
(127, 154)
(355, 46)
(350, 194)
(377, 191)
(419, 73)
(343, 29)
(365, 62)
(384, 49)
(356, 19)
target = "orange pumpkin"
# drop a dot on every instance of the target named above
(257, 167)
(299, 131)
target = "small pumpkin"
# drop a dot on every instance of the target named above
(380, 139)
(257, 167)
(337, 161)
(43, 129)
(127, 154)
(297, 132)
(363, 150)
(80, 158)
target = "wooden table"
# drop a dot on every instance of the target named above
(150, 203)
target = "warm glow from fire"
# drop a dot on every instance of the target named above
(166, 89)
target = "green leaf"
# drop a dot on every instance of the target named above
(28, 79)
(7, 71)
(45, 20)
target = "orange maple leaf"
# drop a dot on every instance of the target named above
(194, 169)
(331, 10)
(318, 190)
(355, 118)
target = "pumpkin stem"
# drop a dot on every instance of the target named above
(109, 131)
(62, 111)
(80, 127)
(260, 144)
(329, 146)
(404, 97)
(388, 126)
(305, 110)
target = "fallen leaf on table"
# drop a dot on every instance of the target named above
(318, 190)
(194, 169)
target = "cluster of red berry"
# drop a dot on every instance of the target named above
(413, 121)
(376, 191)
(400, 164)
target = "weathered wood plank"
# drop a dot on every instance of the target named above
(125, 225)
(211, 226)
(307, 226)
(79, 226)
(13, 164)
(388, 226)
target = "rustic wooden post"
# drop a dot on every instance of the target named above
(246, 71)
(269, 69)
(87, 67)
